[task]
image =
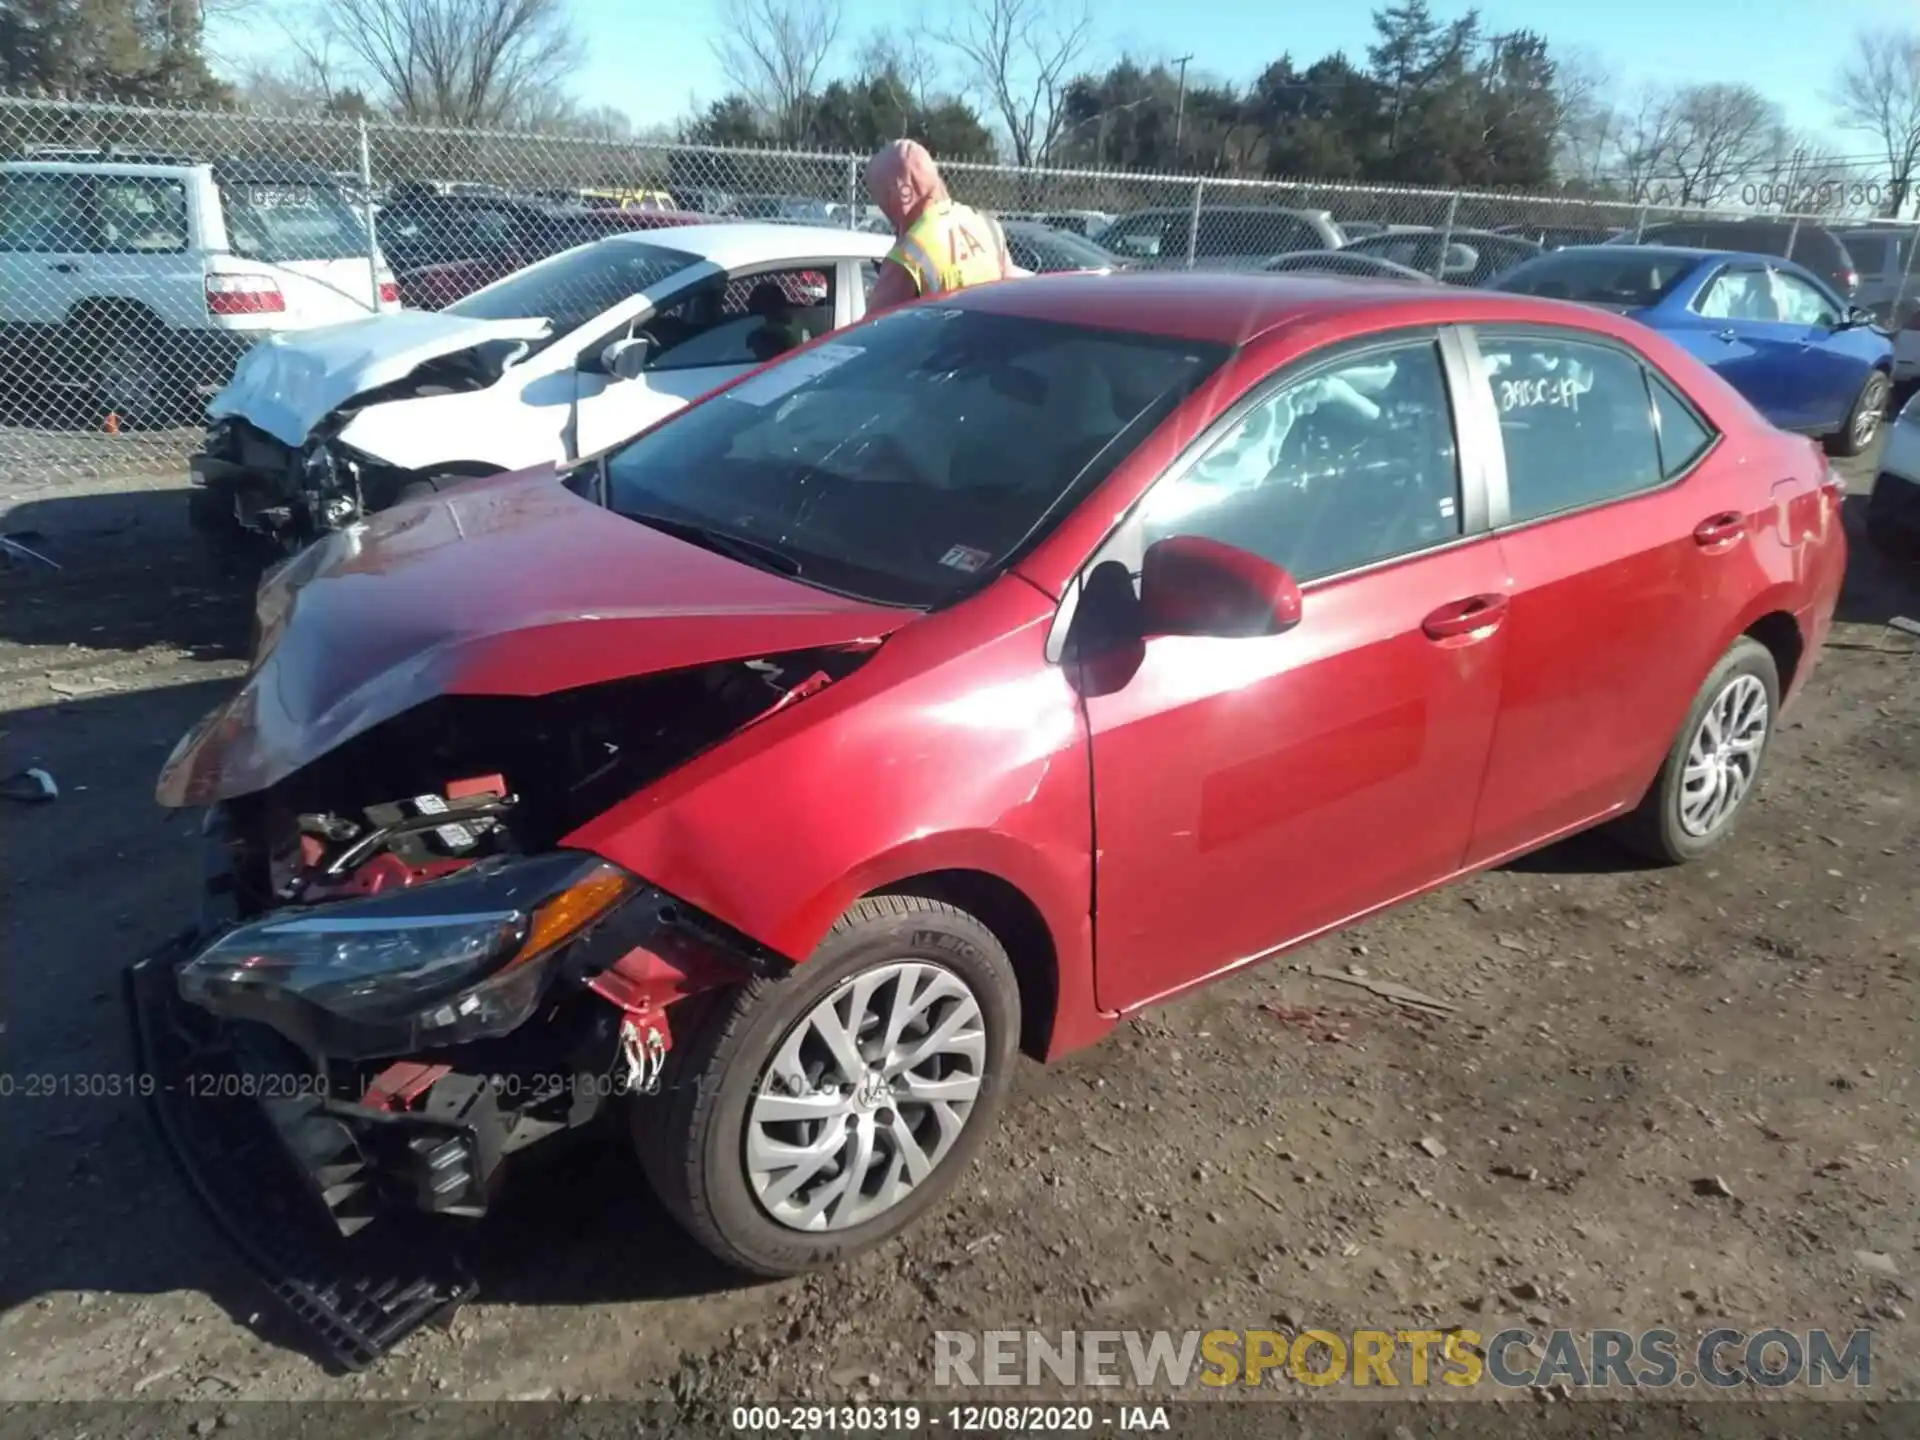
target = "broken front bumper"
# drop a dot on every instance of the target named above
(262, 1159)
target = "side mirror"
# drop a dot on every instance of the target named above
(1857, 317)
(1190, 585)
(627, 359)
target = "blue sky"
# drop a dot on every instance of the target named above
(655, 62)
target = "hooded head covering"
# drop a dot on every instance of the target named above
(902, 178)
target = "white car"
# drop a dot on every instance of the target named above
(555, 362)
(145, 278)
(1893, 509)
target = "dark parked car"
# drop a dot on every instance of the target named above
(1813, 246)
(1226, 236)
(1558, 237)
(1473, 257)
(1344, 262)
(442, 247)
(1047, 251)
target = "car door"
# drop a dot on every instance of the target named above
(1734, 326)
(46, 247)
(1619, 522)
(1251, 792)
(1830, 366)
(703, 337)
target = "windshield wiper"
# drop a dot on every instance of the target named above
(722, 542)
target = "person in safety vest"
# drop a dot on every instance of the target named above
(939, 244)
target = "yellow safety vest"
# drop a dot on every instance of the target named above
(950, 247)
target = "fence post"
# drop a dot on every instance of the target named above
(1193, 222)
(1793, 235)
(853, 192)
(1640, 224)
(1446, 237)
(366, 207)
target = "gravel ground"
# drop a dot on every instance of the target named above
(1679, 1098)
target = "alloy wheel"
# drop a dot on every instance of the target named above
(1724, 755)
(128, 382)
(1866, 419)
(865, 1096)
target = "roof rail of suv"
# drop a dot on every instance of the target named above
(114, 153)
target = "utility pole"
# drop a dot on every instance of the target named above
(1179, 105)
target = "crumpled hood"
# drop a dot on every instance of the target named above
(287, 383)
(510, 585)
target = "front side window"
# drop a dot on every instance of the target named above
(908, 460)
(1739, 295)
(141, 215)
(745, 320)
(45, 213)
(1350, 465)
(1799, 303)
(1576, 421)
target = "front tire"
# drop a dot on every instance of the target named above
(814, 1116)
(1713, 769)
(1862, 425)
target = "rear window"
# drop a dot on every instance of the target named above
(1609, 276)
(570, 289)
(278, 222)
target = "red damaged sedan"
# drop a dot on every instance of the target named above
(956, 685)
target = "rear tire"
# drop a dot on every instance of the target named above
(1862, 425)
(759, 1083)
(1711, 773)
(131, 376)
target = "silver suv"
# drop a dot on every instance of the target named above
(144, 278)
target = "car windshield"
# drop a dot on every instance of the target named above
(277, 222)
(571, 288)
(911, 460)
(1627, 277)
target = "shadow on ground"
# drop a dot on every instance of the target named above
(131, 575)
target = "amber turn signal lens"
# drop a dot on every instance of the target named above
(572, 910)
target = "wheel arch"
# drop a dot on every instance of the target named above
(1779, 631)
(1017, 923)
(114, 308)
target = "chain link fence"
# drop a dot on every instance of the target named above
(143, 250)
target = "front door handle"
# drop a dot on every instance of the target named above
(1727, 335)
(65, 267)
(1720, 529)
(1463, 617)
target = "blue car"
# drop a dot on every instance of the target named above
(1777, 333)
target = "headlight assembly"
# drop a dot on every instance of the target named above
(443, 963)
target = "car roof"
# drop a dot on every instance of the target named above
(1680, 252)
(1235, 308)
(746, 242)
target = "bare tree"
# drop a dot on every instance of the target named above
(1685, 146)
(1878, 92)
(1020, 57)
(449, 62)
(903, 58)
(1803, 175)
(774, 52)
(1586, 122)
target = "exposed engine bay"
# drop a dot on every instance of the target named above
(389, 1086)
(289, 495)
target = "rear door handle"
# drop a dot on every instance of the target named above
(1463, 617)
(1720, 529)
(1727, 335)
(65, 267)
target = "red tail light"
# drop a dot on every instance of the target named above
(244, 295)
(389, 292)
